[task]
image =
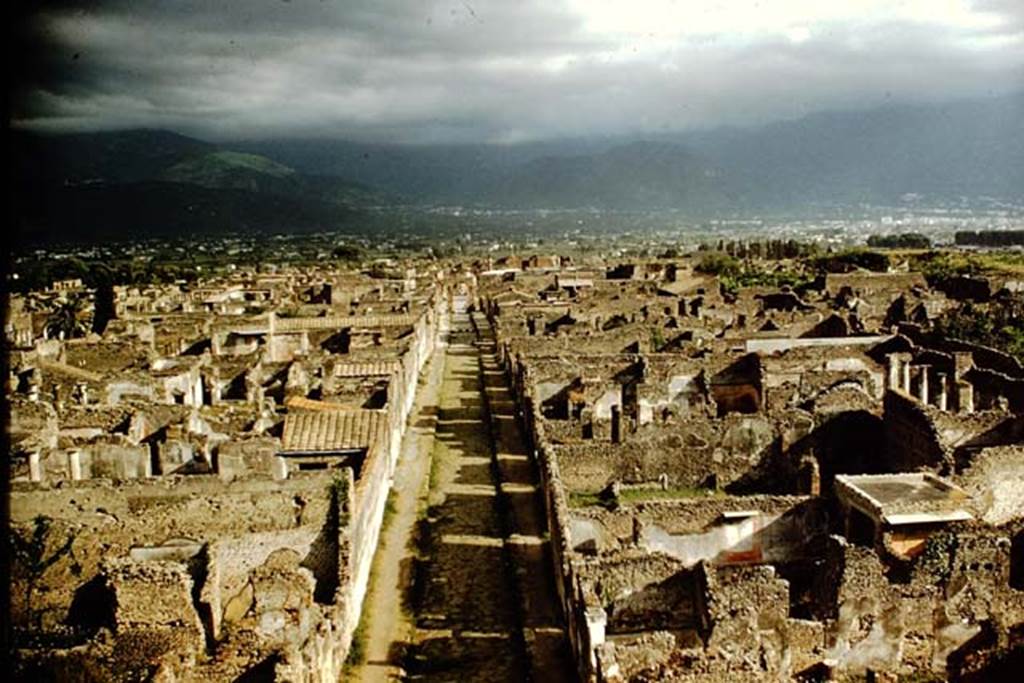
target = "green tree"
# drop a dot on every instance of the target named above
(718, 263)
(65, 320)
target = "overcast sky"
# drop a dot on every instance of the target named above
(500, 70)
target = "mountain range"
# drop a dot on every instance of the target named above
(113, 185)
(110, 184)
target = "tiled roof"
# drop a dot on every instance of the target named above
(334, 430)
(380, 369)
(343, 321)
(334, 322)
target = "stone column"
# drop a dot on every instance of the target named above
(810, 475)
(892, 362)
(75, 465)
(280, 468)
(906, 376)
(923, 386)
(35, 469)
(943, 391)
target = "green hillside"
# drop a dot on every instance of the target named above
(141, 183)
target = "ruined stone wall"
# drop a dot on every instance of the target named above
(371, 491)
(991, 387)
(557, 514)
(747, 612)
(104, 520)
(638, 591)
(720, 530)
(995, 480)
(204, 579)
(245, 456)
(913, 442)
(692, 452)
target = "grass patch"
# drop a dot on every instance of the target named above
(582, 499)
(390, 508)
(357, 650)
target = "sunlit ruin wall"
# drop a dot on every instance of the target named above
(691, 497)
(126, 567)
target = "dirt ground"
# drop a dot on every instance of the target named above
(386, 611)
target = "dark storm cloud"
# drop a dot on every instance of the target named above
(424, 71)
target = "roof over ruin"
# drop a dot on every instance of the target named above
(331, 431)
(906, 498)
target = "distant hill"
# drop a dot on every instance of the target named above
(640, 175)
(145, 182)
(123, 156)
(969, 148)
(100, 211)
(972, 148)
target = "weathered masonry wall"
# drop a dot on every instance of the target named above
(372, 489)
(256, 568)
(148, 560)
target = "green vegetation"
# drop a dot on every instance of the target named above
(750, 276)
(640, 495)
(357, 649)
(851, 259)
(990, 238)
(719, 264)
(657, 339)
(348, 252)
(582, 499)
(65, 320)
(390, 508)
(735, 275)
(338, 490)
(906, 240)
(999, 325)
(940, 266)
(225, 169)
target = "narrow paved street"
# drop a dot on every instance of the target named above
(530, 550)
(469, 594)
(466, 608)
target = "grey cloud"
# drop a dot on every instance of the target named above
(434, 71)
